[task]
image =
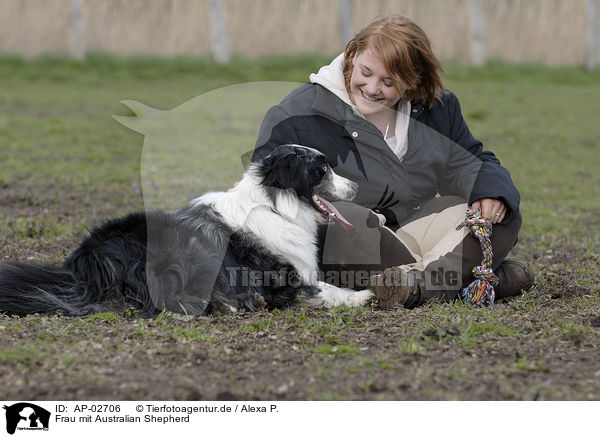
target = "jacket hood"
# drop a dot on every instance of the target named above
(332, 78)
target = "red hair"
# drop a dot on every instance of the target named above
(406, 53)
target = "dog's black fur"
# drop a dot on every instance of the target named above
(187, 261)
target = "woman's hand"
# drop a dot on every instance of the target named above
(493, 209)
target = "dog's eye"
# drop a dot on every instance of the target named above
(324, 169)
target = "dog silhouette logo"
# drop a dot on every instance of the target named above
(25, 416)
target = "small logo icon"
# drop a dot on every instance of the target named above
(25, 416)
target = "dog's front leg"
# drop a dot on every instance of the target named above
(330, 296)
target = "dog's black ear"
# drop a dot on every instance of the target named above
(278, 169)
(279, 155)
(291, 161)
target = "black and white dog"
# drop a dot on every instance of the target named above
(249, 248)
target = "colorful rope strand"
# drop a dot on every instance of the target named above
(481, 290)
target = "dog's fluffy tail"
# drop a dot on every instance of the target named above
(31, 288)
(105, 272)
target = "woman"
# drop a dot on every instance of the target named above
(381, 114)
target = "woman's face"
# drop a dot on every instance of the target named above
(371, 86)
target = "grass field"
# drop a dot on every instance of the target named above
(65, 161)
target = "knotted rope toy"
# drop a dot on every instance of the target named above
(481, 290)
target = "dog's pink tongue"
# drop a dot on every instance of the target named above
(335, 214)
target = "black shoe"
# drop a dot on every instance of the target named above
(514, 277)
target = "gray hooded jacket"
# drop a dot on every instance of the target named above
(436, 152)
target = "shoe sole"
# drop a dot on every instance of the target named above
(389, 296)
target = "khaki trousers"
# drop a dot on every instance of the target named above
(427, 242)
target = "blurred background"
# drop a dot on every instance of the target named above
(465, 31)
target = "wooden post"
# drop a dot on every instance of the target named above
(478, 32)
(77, 30)
(13, 44)
(592, 34)
(345, 18)
(219, 40)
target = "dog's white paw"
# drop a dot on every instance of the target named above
(360, 298)
(331, 296)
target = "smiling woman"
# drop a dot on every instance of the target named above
(381, 114)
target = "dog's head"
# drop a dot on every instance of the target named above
(299, 173)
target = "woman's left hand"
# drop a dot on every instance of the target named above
(493, 209)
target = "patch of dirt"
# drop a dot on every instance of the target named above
(43, 210)
(552, 352)
(63, 203)
(234, 359)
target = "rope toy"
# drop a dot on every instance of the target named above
(481, 290)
